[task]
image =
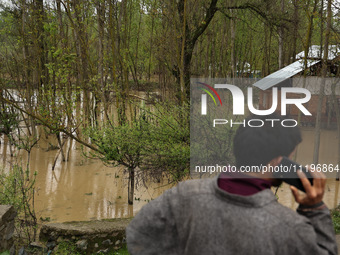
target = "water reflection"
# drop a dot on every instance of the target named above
(80, 189)
(83, 189)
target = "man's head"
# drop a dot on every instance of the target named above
(256, 146)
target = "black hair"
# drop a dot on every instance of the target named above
(256, 146)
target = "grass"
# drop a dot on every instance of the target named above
(67, 248)
(122, 251)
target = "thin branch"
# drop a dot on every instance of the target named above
(46, 124)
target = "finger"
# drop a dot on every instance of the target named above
(304, 179)
(323, 176)
(319, 179)
(315, 174)
(319, 185)
(295, 194)
(306, 184)
(324, 180)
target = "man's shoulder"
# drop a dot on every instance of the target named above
(192, 187)
(285, 216)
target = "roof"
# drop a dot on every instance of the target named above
(283, 74)
(298, 66)
(314, 52)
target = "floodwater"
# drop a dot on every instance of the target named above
(328, 155)
(84, 189)
(80, 189)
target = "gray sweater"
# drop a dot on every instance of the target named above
(197, 217)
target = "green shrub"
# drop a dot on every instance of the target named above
(335, 213)
(17, 189)
(66, 248)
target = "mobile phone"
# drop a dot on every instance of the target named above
(288, 173)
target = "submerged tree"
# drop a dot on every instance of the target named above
(156, 143)
(121, 145)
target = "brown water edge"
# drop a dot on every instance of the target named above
(84, 189)
(80, 189)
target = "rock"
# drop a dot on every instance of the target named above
(103, 251)
(12, 251)
(7, 216)
(96, 245)
(82, 245)
(37, 246)
(53, 236)
(104, 229)
(50, 245)
(98, 231)
(107, 242)
(22, 251)
(124, 240)
(117, 242)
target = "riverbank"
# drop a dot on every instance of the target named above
(83, 237)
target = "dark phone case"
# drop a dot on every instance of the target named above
(291, 177)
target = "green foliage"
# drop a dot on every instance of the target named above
(61, 69)
(69, 248)
(157, 141)
(335, 213)
(119, 145)
(167, 147)
(17, 188)
(66, 248)
(8, 120)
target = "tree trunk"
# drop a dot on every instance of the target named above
(232, 48)
(295, 27)
(281, 60)
(131, 185)
(183, 52)
(306, 45)
(40, 42)
(189, 38)
(322, 87)
(337, 113)
(151, 41)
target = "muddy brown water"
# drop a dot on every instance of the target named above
(328, 155)
(84, 189)
(80, 189)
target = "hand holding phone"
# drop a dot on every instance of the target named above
(291, 177)
(314, 193)
(312, 183)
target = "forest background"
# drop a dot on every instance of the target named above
(77, 69)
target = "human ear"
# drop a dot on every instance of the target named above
(275, 161)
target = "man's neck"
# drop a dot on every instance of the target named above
(241, 184)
